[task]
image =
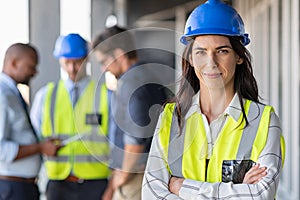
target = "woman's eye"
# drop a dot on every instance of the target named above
(223, 51)
(200, 52)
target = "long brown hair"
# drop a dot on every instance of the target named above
(245, 84)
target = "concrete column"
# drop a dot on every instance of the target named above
(44, 28)
(100, 9)
(121, 9)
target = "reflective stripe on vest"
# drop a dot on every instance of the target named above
(86, 158)
(101, 107)
(82, 159)
(187, 154)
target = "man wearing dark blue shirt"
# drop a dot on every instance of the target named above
(135, 106)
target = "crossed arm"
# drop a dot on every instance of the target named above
(253, 176)
(259, 183)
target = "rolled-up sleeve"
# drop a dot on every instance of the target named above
(156, 177)
(8, 149)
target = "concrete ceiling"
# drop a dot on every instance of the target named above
(157, 10)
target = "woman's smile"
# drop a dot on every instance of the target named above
(212, 75)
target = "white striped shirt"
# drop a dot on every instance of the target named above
(156, 178)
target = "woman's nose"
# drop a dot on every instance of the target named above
(211, 60)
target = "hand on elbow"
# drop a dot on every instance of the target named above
(255, 174)
(175, 184)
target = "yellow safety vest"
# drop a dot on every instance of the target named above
(186, 155)
(87, 157)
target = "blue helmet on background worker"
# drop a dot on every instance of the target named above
(214, 18)
(71, 46)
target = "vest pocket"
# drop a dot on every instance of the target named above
(235, 170)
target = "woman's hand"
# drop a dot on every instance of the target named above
(175, 184)
(255, 174)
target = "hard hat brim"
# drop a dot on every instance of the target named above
(186, 39)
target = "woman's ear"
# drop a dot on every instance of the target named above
(239, 61)
(191, 60)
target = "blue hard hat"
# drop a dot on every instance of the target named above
(214, 17)
(70, 46)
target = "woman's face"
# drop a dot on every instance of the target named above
(214, 61)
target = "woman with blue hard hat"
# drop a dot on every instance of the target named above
(215, 140)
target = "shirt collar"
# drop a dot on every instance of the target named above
(81, 84)
(130, 68)
(10, 82)
(234, 108)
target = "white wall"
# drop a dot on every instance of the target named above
(13, 23)
(273, 26)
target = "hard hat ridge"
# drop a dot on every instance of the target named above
(214, 17)
(213, 1)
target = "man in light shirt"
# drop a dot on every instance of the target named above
(20, 149)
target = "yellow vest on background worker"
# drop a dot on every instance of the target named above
(235, 145)
(86, 157)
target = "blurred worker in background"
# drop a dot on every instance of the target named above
(135, 107)
(74, 110)
(20, 149)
